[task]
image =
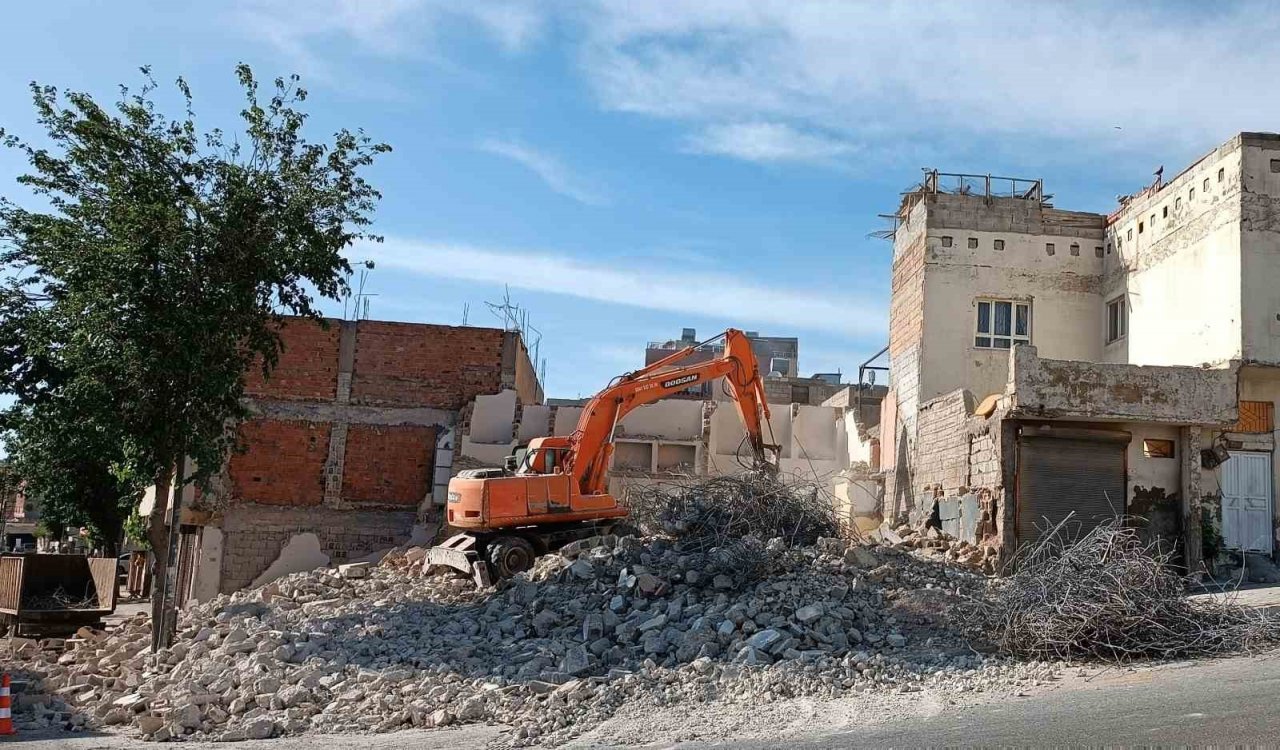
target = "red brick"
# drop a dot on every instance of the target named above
(411, 364)
(283, 463)
(388, 464)
(308, 365)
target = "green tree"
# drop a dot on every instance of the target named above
(80, 471)
(162, 259)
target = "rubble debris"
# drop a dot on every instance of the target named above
(551, 652)
(730, 516)
(1107, 595)
(933, 542)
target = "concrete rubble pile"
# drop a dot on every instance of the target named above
(551, 653)
(935, 543)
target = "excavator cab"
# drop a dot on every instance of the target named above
(543, 456)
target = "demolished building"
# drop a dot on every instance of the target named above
(348, 448)
(1047, 362)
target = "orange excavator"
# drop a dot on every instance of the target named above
(556, 491)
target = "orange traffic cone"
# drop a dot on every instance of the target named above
(6, 718)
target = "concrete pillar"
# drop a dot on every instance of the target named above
(335, 462)
(207, 581)
(1006, 449)
(1191, 517)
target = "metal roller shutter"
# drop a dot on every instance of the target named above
(1061, 475)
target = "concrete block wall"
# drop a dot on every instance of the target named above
(984, 461)
(253, 536)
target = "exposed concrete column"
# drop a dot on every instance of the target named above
(335, 462)
(702, 459)
(1192, 540)
(1007, 495)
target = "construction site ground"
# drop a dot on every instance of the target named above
(1214, 701)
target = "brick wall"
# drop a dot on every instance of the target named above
(942, 447)
(388, 464)
(445, 367)
(308, 365)
(282, 462)
(343, 438)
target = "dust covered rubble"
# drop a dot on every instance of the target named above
(550, 653)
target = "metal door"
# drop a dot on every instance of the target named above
(1083, 479)
(1246, 502)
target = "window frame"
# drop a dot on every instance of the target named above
(988, 338)
(1121, 327)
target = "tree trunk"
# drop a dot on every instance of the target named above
(158, 535)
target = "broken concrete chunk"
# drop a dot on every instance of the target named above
(809, 613)
(355, 570)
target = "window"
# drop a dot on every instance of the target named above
(1097, 251)
(1164, 212)
(1075, 248)
(1275, 165)
(1153, 220)
(1140, 227)
(1129, 234)
(1205, 186)
(1256, 416)
(1048, 248)
(1002, 323)
(1177, 204)
(973, 243)
(946, 241)
(1191, 194)
(1152, 448)
(1221, 173)
(1117, 320)
(999, 244)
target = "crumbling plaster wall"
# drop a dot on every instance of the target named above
(1058, 389)
(1175, 256)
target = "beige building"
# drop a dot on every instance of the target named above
(1047, 361)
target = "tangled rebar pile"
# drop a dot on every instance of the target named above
(1107, 595)
(731, 518)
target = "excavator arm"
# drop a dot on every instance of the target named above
(592, 441)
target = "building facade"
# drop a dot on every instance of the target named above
(1047, 361)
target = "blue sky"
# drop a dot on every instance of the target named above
(629, 169)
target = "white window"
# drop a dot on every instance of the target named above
(1002, 323)
(1117, 320)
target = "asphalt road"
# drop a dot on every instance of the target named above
(1221, 702)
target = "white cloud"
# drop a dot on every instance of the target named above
(549, 169)
(943, 71)
(768, 142)
(390, 28)
(737, 299)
